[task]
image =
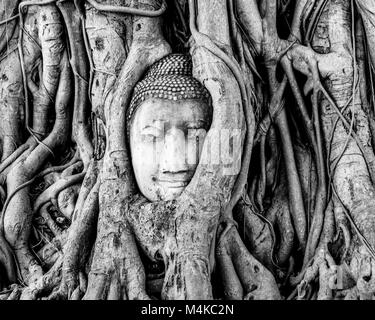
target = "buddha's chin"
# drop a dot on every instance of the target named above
(164, 191)
(171, 193)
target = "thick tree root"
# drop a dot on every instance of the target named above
(79, 62)
(79, 245)
(53, 191)
(44, 284)
(17, 219)
(244, 276)
(116, 270)
(11, 102)
(333, 279)
(257, 234)
(66, 199)
(362, 267)
(279, 215)
(7, 262)
(50, 252)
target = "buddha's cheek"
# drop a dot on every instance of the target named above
(145, 165)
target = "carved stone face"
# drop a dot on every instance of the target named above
(166, 139)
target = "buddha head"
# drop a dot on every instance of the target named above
(167, 121)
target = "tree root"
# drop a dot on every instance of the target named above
(81, 123)
(45, 284)
(331, 277)
(51, 251)
(7, 261)
(362, 267)
(78, 246)
(257, 234)
(245, 277)
(17, 218)
(279, 215)
(116, 270)
(15, 294)
(53, 191)
(66, 199)
(87, 184)
(11, 101)
(51, 224)
(13, 159)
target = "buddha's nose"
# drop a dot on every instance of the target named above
(173, 155)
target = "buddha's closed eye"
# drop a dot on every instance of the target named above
(152, 132)
(200, 124)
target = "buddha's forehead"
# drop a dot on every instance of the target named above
(162, 110)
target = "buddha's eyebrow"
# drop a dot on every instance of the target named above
(158, 124)
(197, 123)
(153, 122)
(158, 121)
(150, 126)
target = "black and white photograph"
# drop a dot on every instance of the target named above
(208, 151)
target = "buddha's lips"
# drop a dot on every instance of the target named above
(174, 183)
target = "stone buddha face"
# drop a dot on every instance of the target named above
(168, 118)
(166, 139)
